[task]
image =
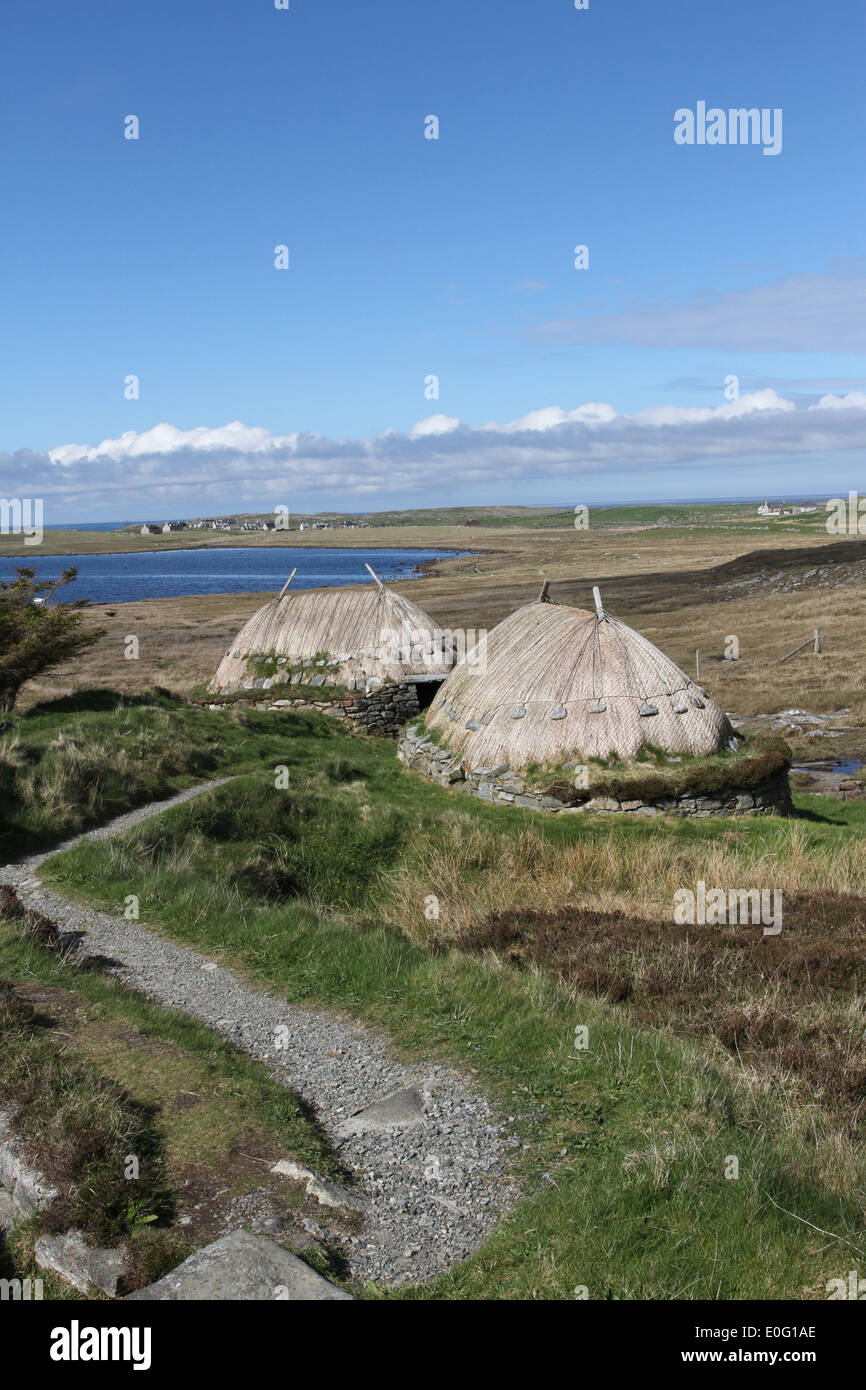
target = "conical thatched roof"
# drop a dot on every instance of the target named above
(368, 632)
(562, 685)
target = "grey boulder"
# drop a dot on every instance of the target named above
(238, 1267)
(83, 1266)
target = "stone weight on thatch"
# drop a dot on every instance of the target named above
(562, 684)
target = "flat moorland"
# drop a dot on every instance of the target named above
(433, 528)
(696, 591)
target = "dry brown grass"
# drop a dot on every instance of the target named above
(476, 872)
(767, 627)
(788, 1007)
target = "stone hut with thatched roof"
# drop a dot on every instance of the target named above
(561, 688)
(382, 651)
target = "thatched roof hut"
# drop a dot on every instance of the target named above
(560, 685)
(366, 634)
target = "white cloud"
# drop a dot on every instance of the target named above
(855, 400)
(548, 418)
(434, 424)
(729, 410)
(165, 439)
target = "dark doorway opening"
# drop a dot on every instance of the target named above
(427, 688)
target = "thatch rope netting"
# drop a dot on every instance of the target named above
(563, 684)
(366, 630)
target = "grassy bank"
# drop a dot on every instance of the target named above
(655, 775)
(77, 761)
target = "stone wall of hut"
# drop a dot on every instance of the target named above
(502, 786)
(380, 712)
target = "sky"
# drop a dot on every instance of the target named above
(712, 346)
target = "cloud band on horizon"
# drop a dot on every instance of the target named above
(249, 464)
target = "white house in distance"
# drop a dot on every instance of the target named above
(784, 508)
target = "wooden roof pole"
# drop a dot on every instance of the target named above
(375, 575)
(288, 582)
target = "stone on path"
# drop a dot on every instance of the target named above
(406, 1107)
(242, 1266)
(288, 1168)
(326, 1192)
(331, 1194)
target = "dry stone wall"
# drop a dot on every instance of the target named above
(503, 786)
(379, 710)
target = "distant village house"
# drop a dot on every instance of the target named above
(784, 508)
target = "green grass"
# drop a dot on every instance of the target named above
(684, 1231)
(264, 665)
(287, 885)
(306, 694)
(80, 1125)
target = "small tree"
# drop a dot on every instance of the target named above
(35, 634)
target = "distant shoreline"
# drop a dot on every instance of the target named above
(485, 530)
(383, 541)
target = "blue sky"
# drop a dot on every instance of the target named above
(412, 257)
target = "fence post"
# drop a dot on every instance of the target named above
(817, 648)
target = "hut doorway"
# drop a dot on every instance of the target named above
(426, 688)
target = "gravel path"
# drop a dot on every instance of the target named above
(431, 1167)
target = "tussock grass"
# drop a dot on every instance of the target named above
(475, 870)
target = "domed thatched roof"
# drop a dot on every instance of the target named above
(561, 685)
(367, 632)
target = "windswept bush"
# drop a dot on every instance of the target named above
(36, 634)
